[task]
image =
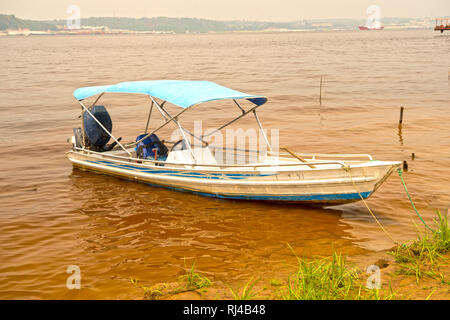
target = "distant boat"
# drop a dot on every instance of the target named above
(370, 28)
(443, 25)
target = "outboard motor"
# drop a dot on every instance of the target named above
(147, 147)
(96, 137)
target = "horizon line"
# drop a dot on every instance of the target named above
(226, 20)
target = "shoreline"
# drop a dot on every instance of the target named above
(418, 270)
(403, 287)
(38, 33)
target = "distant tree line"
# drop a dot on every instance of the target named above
(11, 22)
(183, 25)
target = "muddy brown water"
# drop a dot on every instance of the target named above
(52, 216)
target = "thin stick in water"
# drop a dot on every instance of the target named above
(320, 96)
(400, 121)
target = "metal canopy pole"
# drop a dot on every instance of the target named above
(148, 119)
(160, 108)
(82, 118)
(186, 130)
(82, 128)
(242, 109)
(262, 131)
(187, 142)
(98, 98)
(99, 123)
(230, 122)
(160, 127)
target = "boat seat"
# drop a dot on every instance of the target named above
(202, 155)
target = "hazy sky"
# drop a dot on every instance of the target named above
(268, 10)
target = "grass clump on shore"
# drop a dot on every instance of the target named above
(247, 293)
(194, 280)
(321, 280)
(150, 293)
(328, 279)
(190, 281)
(421, 257)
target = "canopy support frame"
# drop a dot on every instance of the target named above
(232, 121)
(259, 124)
(186, 130)
(262, 130)
(167, 116)
(160, 127)
(242, 109)
(148, 119)
(163, 113)
(96, 100)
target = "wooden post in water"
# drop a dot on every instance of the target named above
(320, 96)
(400, 121)
(405, 165)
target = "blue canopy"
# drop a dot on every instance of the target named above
(178, 92)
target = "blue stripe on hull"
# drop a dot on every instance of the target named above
(294, 198)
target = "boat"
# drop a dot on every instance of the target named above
(370, 27)
(444, 24)
(199, 167)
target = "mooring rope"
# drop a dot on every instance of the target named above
(412, 203)
(347, 169)
(399, 171)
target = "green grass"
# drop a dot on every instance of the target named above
(321, 280)
(247, 292)
(422, 256)
(328, 279)
(149, 292)
(443, 231)
(191, 281)
(194, 280)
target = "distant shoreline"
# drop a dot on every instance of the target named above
(205, 33)
(10, 25)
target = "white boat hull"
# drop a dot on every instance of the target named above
(324, 185)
